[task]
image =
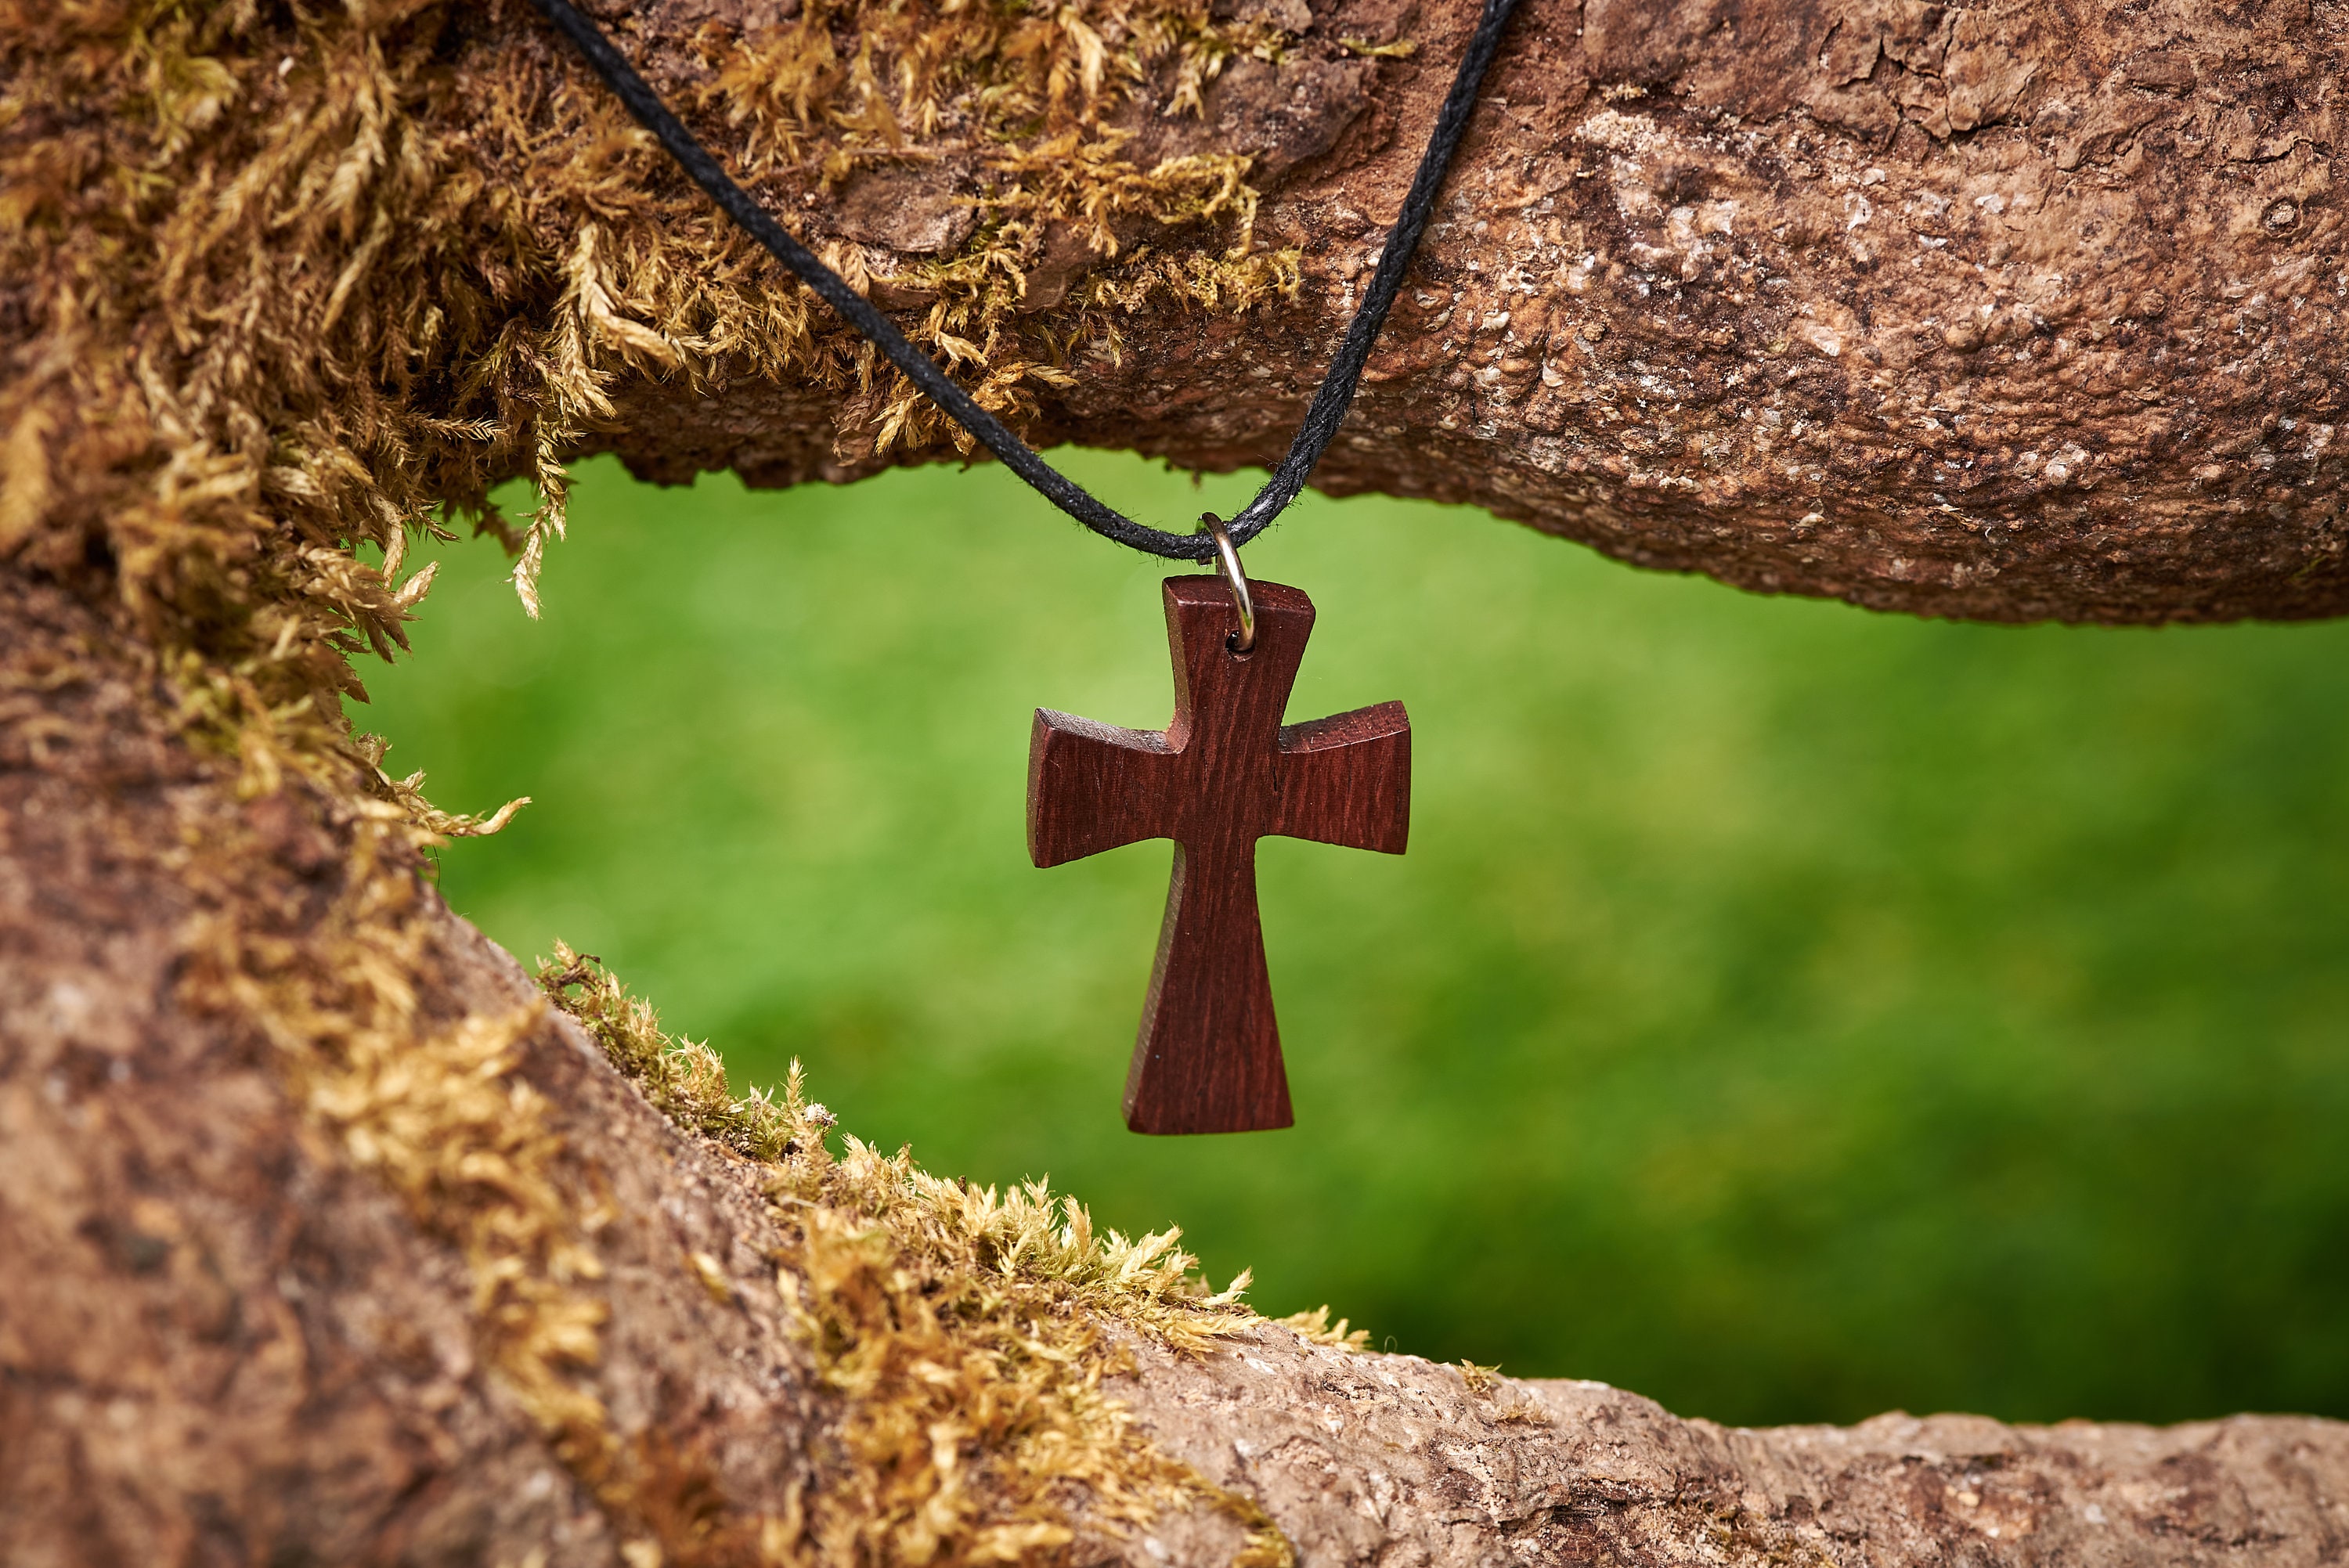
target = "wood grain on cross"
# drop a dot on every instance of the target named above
(1224, 773)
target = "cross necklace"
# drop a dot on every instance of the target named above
(1224, 771)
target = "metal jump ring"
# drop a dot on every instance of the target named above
(1227, 562)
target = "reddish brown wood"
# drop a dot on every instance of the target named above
(1223, 774)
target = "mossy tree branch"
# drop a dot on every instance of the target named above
(2032, 312)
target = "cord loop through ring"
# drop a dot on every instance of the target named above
(1227, 562)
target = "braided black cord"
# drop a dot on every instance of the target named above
(1321, 420)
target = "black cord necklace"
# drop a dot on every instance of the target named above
(1321, 420)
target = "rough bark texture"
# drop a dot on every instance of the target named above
(2017, 312)
(1392, 1460)
(222, 1341)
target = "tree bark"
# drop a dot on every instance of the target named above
(236, 1328)
(1390, 1460)
(2026, 312)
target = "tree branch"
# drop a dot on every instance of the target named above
(1389, 1458)
(2036, 312)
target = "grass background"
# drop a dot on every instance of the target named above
(1787, 1012)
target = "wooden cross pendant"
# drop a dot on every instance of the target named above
(1223, 774)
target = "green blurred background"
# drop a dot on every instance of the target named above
(1784, 1011)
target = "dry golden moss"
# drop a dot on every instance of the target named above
(434, 1111)
(685, 1080)
(437, 1111)
(282, 285)
(1028, 94)
(1316, 1327)
(962, 1325)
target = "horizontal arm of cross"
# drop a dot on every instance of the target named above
(1094, 786)
(1346, 780)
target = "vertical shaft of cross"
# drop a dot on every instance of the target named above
(1208, 987)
